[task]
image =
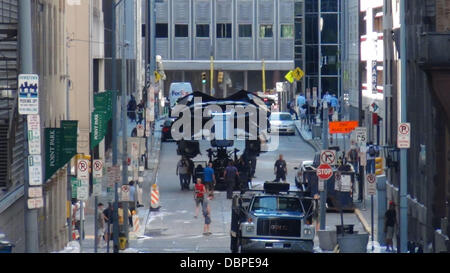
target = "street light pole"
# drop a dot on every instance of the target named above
(114, 127)
(403, 152)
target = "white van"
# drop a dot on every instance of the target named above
(178, 90)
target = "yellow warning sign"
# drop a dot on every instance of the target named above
(289, 76)
(298, 74)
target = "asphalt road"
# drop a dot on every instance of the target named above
(175, 230)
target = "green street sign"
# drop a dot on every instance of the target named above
(99, 127)
(53, 151)
(69, 139)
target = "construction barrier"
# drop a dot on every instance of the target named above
(154, 196)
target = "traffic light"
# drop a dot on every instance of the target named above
(220, 77)
(204, 78)
(379, 166)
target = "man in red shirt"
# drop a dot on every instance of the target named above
(199, 192)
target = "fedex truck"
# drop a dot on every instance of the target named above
(177, 91)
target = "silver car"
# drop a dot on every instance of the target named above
(282, 122)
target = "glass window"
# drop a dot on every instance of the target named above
(223, 30)
(181, 31)
(312, 56)
(298, 30)
(274, 203)
(311, 6)
(329, 5)
(311, 29)
(330, 29)
(330, 60)
(287, 31)
(276, 116)
(330, 84)
(265, 31)
(298, 9)
(162, 31)
(203, 31)
(245, 31)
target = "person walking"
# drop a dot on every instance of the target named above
(206, 209)
(352, 157)
(183, 172)
(199, 194)
(100, 225)
(131, 109)
(209, 178)
(231, 174)
(390, 224)
(280, 169)
(243, 168)
(371, 153)
(79, 217)
(291, 107)
(108, 215)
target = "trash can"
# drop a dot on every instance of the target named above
(122, 241)
(346, 229)
(6, 247)
(353, 243)
(316, 131)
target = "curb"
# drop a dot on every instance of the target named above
(309, 142)
(363, 221)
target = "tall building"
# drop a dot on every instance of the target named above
(427, 108)
(372, 52)
(49, 62)
(323, 46)
(239, 34)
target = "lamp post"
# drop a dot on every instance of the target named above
(114, 126)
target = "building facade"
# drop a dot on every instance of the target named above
(323, 46)
(238, 34)
(427, 108)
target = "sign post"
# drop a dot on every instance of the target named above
(404, 135)
(324, 172)
(371, 190)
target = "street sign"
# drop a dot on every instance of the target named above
(98, 169)
(324, 172)
(363, 157)
(83, 193)
(289, 77)
(34, 134)
(328, 157)
(113, 175)
(97, 187)
(35, 170)
(140, 130)
(125, 191)
(371, 184)
(404, 135)
(34, 192)
(374, 77)
(361, 136)
(35, 203)
(314, 93)
(308, 94)
(280, 86)
(28, 94)
(298, 74)
(83, 169)
(342, 127)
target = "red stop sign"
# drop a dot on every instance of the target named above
(324, 172)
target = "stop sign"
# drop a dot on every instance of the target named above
(324, 172)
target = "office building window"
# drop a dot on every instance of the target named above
(203, 31)
(329, 5)
(181, 31)
(245, 31)
(311, 6)
(287, 31)
(378, 20)
(162, 31)
(223, 30)
(266, 31)
(330, 29)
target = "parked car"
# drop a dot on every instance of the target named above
(166, 129)
(282, 122)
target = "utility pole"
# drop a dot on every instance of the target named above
(26, 58)
(114, 127)
(323, 194)
(403, 152)
(124, 122)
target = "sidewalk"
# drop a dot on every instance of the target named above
(362, 213)
(154, 147)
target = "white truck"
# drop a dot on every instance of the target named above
(177, 91)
